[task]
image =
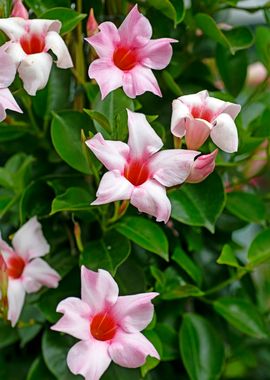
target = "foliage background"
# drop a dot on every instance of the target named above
(211, 262)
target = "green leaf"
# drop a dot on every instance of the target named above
(146, 234)
(259, 250)
(100, 119)
(228, 257)
(151, 362)
(185, 262)
(174, 10)
(68, 17)
(41, 6)
(39, 371)
(169, 340)
(246, 206)
(201, 348)
(263, 45)
(66, 137)
(73, 199)
(119, 373)
(243, 315)
(199, 204)
(108, 253)
(8, 335)
(171, 84)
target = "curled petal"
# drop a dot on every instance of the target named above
(180, 115)
(157, 53)
(151, 198)
(131, 350)
(139, 80)
(202, 167)
(7, 101)
(13, 27)
(195, 100)
(197, 132)
(42, 26)
(40, 272)
(232, 109)
(106, 40)
(75, 320)
(55, 42)
(113, 187)
(99, 290)
(113, 154)
(224, 133)
(16, 296)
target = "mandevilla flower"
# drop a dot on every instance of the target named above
(127, 56)
(107, 325)
(137, 172)
(199, 115)
(26, 271)
(29, 45)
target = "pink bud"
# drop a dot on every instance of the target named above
(202, 167)
(258, 160)
(19, 10)
(92, 25)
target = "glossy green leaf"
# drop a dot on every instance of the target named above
(169, 339)
(116, 372)
(263, 45)
(227, 257)
(68, 17)
(39, 371)
(8, 335)
(259, 250)
(174, 10)
(74, 199)
(189, 266)
(146, 234)
(243, 315)
(100, 119)
(246, 206)
(41, 6)
(151, 362)
(202, 350)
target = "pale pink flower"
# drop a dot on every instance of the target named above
(27, 272)
(108, 326)
(137, 172)
(203, 166)
(91, 25)
(258, 160)
(29, 46)
(19, 10)
(256, 74)
(127, 55)
(199, 116)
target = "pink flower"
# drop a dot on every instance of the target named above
(127, 56)
(107, 325)
(257, 161)
(203, 166)
(92, 25)
(199, 115)
(30, 42)
(137, 172)
(26, 271)
(19, 10)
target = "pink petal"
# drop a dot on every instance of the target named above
(107, 75)
(151, 198)
(99, 290)
(13, 27)
(143, 140)
(40, 272)
(131, 350)
(195, 100)
(29, 241)
(34, 71)
(106, 40)
(180, 115)
(157, 53)
(224, 133)
(135, 30)
(139, 80)
(7, 101)
(172, 167)
(134, 313)
(16, 296)
(197, 132)
(42, 26)
(113, 154)
(202, 167)
(55, 43)
(15, 52)
(232, 109)
(7, 69)
(89, 359)
(5, 250)
(113, 187)
(217, 106)
(76, 318)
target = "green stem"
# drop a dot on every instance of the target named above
(226, 283)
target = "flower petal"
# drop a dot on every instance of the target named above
(202, 167)
(89, 359)
(224, 133)
(34, 71)
(13, 27)
(106, 40)
(135, 31)
(172, 167)
(113, 187)
(232, 109)
(194, 100)
(107, 75)
(180, 114)
(55, 42)
(134, 313)
(75, 320)
(197, 132)
(143, 140)
(156, 54)
(131, 350)
(151, 198)
(139, 80)
(5, 250)
(16, 296)
(29, 241)
(7, 101)
(7, 69)
(113, 154)
(42, 26)
(15, 52)
(99, 290)
(40, 272)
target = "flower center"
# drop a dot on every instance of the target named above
(15, 266)
(32, 43)
(136, 172)
(103, 327)
(202, 113)
(124, 58)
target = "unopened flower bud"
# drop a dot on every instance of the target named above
(92, 25)
(19, 10)
(202, 167)
(258, 160)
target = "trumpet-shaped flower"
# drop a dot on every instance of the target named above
(203, 166)
(108, 326)
(29, 46)
(137, 171)
(127, 55)
(199, 115)
(26, 271)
